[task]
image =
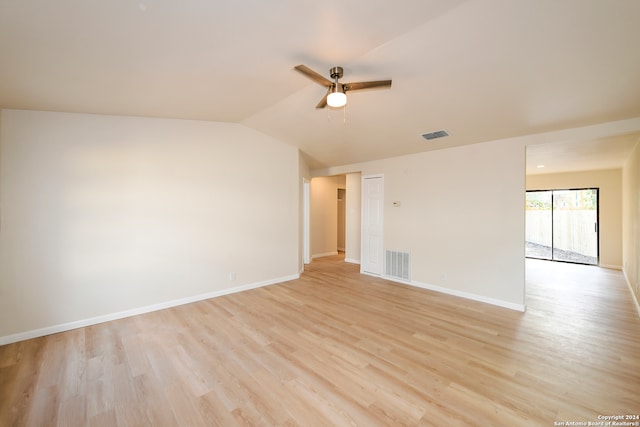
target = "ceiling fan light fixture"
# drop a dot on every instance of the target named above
(336, 95)
(337, 98)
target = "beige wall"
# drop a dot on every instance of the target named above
(610, 184)
(461, 217)
(631, 221)
(104, 214)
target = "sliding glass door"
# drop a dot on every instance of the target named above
(539, 225)
(562, 225)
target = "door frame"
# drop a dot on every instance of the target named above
(306, 221)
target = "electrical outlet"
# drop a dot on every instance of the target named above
(232, 276)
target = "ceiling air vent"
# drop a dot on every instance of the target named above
(435, 135)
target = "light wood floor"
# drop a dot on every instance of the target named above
(336, 348)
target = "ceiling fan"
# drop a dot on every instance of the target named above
(336, 92)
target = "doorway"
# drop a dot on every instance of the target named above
(335, 216)
(306, 221)
(562, 225)
(342, 218)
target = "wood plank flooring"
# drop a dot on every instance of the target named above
(336, 348)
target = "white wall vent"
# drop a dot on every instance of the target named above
(398, 265)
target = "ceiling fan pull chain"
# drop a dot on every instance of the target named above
(344, 118)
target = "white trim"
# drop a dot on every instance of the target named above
(352, 261)
(8, 339)
(610, 266)
(634, 297)
(324, 254)
(461, 294)
(398, 280)
(373, 274)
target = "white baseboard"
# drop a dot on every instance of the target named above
(8, 339)
(611, 267)
(368, 273)
(352, 261)
(324, 254)
(461, 294)
(633, 294)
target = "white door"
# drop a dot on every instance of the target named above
(372, 210)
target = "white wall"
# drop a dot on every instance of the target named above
(103, 214)
(610, 202)
(461, 217)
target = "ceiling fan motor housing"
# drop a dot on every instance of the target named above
(336, 72)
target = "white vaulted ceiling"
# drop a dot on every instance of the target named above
(482, 69)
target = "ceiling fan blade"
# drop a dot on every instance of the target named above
(323, 101)
(313, 75)
(367, 85)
